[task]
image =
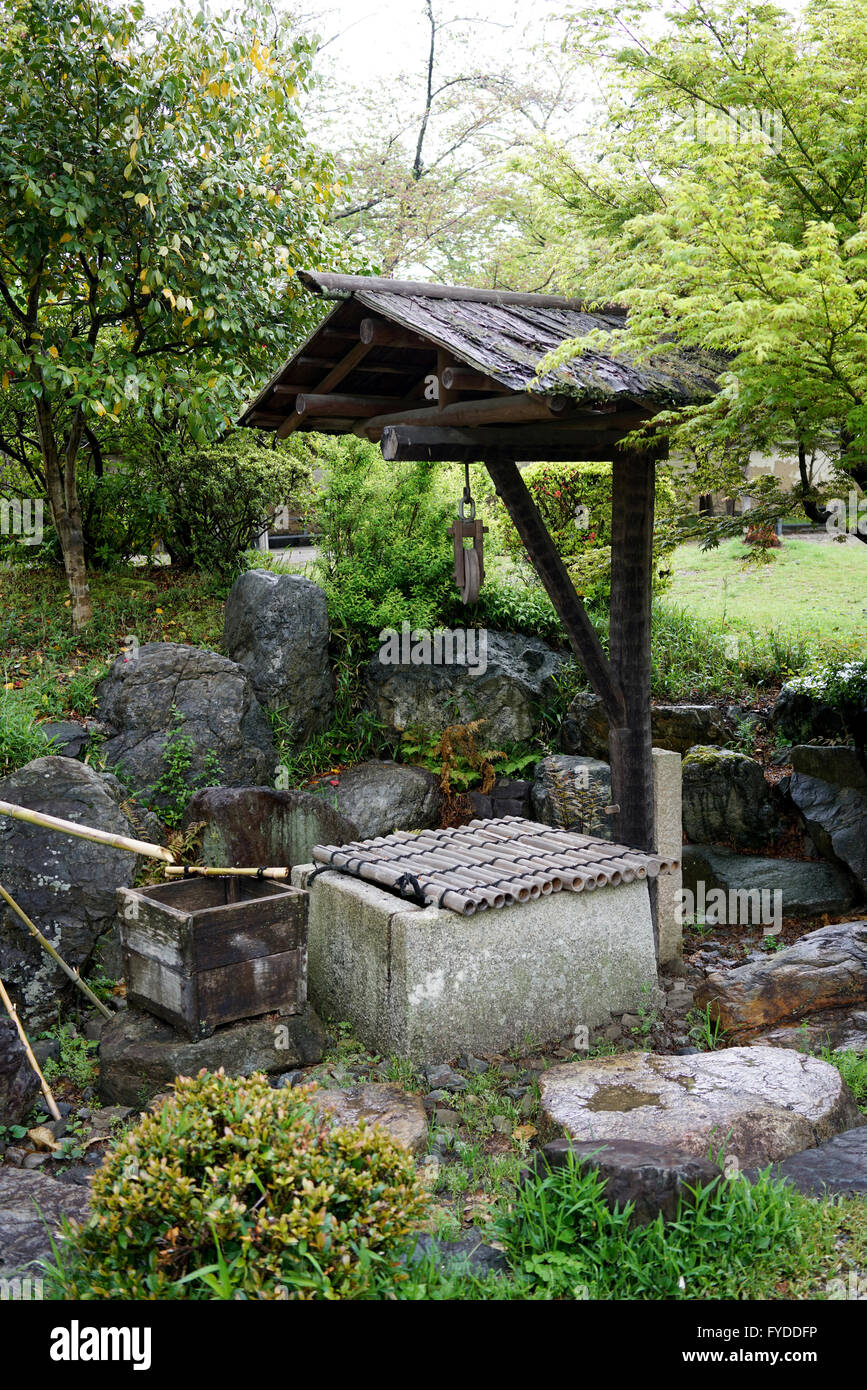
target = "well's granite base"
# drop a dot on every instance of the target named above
(430, 984)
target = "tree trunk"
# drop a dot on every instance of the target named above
(632, 503)
(60, 482)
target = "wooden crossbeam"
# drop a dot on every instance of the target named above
(380, 333)
(465, 379)
(492, 410)
(333, 378)
(524, 443)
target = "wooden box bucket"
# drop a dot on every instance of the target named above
(201, 952)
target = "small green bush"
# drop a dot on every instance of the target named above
(234, 1190)
(218, 496)
(385, 554)
(176, 785)
(574, 500)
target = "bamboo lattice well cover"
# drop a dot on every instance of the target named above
(489, 863)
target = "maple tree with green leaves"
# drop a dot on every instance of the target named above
(156, 192)
(721, 192)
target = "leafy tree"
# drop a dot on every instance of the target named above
(156, 189)
(723, 189)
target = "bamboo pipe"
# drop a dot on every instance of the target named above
(652, 863)
(464, 869)
(559, 862)
(333, 857)
(204, 871)
(443, 854)
(86, 832)
(501, 862)
(507, 859)
(55, 955)
(25, 1041)
(469, 879)
(402, 854)
(628, 868)
(524, 883)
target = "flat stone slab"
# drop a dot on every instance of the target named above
(24, 1234)
(807, 887)
(140, 1056)
(836, 1168)
(826, 969)
(651, 1176)
(380, 1104)
(758, 1104)
(469, 1251)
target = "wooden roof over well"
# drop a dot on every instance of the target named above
(371, 362)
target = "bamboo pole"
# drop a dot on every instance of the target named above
(46, 1089)
(204, 871)
(55, 955)
(86, 832)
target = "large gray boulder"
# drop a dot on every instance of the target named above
(807, 887)
(379, 797)
(802, 715)
(18, 1082)
(167, 692)
(140, 1056)
(32, 1208)
(517, 672)
(65, 884)
(572, 794)
(755, 1104)
(258, 825)
(675, 727)
(829, 788)
(826, 969)
(276, 627)
(726, 798)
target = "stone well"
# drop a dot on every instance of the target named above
(429, 983)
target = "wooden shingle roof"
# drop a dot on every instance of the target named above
(384, 340)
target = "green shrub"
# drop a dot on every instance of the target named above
(76, 1063)
(234, 1190)
(173, 790)
(852, 1066)
(220, 495)
(123, 513)
(386, 557)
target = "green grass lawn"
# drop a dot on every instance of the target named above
(812, 588)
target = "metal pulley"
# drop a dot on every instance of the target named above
(469, 560)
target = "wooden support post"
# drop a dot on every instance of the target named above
(559, 587)
(632, 501)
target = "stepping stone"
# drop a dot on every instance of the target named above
(468, 1252)
(758, 1104)
(836, 1168)
(651, 1176)
(31, 1205)
(826, 969)
(388, 1106)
